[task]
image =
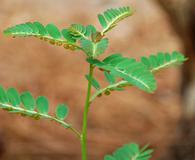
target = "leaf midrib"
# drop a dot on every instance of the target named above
(114, 20)
(164, 65)
(37, 34)
(133, 77)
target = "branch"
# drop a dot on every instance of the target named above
(108, 88)
(37, 115)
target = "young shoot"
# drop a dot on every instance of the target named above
(120, 72)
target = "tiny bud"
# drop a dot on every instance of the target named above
(23, 114)
(59, 43)
(102, 69)
(99, 95)
(36, 117)
(107, 92)
(66, 46)
(52, 42)
(45, 39)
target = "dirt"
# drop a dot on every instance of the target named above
(122, 117)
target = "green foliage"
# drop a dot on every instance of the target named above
(48, 33)
(61, 111)
(110, 78)
(94, 49)
(28, 101)
(13, 97)
(119, 72)
(68, 36)
(94, 82)
(129, 70)
(53, 31)
(130, 152)
(3, 96)
(26, 105)
(153, 63)
(163, 60)
(42, 105)
(90, 39)
(111, 17)
(78, 31)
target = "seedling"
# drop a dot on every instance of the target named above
(120, 72)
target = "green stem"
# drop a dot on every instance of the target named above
(85, 116)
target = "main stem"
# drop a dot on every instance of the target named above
(85, 116)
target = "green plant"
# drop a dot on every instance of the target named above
(119, 71)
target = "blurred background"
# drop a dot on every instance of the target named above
(164, 119)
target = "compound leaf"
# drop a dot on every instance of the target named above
(78, 31)
(42, 105)
(163, 60)
(94, 49)
(25, 105)
(152, 63)
(48, 33)
(28, 101)
(111, 17)
(135, 73)
(61, 111)
(131, 152)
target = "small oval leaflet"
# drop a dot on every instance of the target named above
(61, 111)
(53, 31)
(41, 28)
(42, 105)
(94, 82)
(13, 97)
(28, 100)
(67, 35)
(34, 29)
(111, 79)
(3, 96)
(102, 21)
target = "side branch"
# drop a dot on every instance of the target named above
(37, 115)
(108, 88)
